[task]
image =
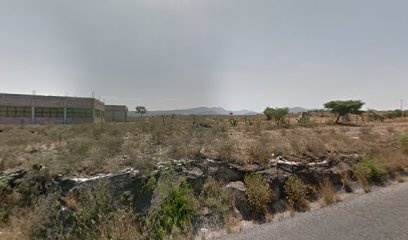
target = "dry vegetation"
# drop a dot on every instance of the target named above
(297, 192)
(86, 150)
(259, 193)
(91, 149)
(328, 192)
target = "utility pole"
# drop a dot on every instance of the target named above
(33, 108)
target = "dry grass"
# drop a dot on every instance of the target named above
(92, 212)
(233, 225)
(121, 226)
(365, 184)
(225, 148)
(33, 222)
(216, 200)
(17, 228)
(403, 142)
(345, 179)
(391, 160)
(90, 149)
(328, 192)
(260, 150)
(400, 179)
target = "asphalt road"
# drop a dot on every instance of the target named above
(381, 214)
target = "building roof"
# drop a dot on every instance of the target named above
(116, 108)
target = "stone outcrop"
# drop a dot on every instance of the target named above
(130, 182)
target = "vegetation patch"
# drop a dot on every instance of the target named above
(297, 192)
(225, 149)
(174, 209)
(403, 142)
(176, 214)
(342, 108)
(278, 115)
(370, 169)
(90, 209)
(216, 199)
(260, 151)
(32, 206)
(328, 192)
(259, 193)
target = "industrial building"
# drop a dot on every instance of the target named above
(116, 113)
(38, 109)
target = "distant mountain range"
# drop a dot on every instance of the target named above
(208, 111)
(196, 111)
(298, 110)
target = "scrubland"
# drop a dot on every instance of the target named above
(41, 200)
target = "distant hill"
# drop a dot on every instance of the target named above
(196, 111)
(208, 111)
(298, 110)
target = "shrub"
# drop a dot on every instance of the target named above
(277, 114)
(225, 148)
(158, 135)
(233, 122)
(3, 185)
(296, 191)
(260, 152)
(78, 146)
(91, 207)
(303, 121)
(201, 124)
(370, 169)
(121, 225)
(403, 142)
(39, 221)
(397, 113)
(110, 145)
(183, 148)
(174, 208)
(176, 213)
(391, 160)
(259, 193)
(362, 175)
(96, 214)
(214, 197)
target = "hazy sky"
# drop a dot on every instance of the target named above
(168, 54)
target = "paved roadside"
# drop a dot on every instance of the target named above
(382, 214)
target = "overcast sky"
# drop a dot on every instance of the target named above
(238, 54)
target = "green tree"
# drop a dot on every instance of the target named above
(342, 108)
(397, 113)
(141, 110)
(276, 114)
